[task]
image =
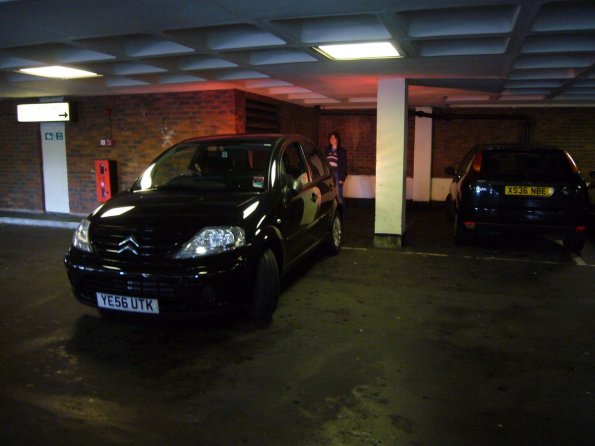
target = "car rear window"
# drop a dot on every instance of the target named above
(526, 163)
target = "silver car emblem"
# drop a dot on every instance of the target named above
(128, 244)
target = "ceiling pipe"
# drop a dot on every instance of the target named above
(500, 117)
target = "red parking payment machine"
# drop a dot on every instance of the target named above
(106, 178)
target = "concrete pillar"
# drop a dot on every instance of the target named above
(391, 163)
(422, 157)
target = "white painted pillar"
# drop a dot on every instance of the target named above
(55, 175)
(391, 162)
(422, 157)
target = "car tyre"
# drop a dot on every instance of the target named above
(266, 289)
(333, 242)
(462, 235)
(574, 243)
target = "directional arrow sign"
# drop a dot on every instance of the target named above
(44, 112)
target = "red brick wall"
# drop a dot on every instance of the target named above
(299, 120)
(142, 127)
(140, 124)
(569, 128)
(358, 137)
(454, 137)
(572, 129)
(21, 181)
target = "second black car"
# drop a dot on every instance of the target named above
(518, 188)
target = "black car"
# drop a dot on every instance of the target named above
(518, 188)
(211, 225)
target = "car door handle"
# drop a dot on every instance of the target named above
(314, 197)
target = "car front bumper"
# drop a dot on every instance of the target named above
(526, 221)
(223, 284)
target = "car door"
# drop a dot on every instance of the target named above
(300, 205)
(323, 187)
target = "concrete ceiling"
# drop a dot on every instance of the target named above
(456, 52)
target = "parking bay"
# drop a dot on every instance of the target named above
(431, 344)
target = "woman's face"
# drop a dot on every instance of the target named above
(333, 140)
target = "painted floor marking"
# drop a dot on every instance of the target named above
(576, 259)
(428, 254)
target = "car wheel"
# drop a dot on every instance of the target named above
(462, 235)
(266, 288)
(574, 243)
(333, 243)
(449, 208)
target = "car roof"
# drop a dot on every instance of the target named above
(271, 138)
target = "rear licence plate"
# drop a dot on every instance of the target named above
(126, 303)
(529, 191)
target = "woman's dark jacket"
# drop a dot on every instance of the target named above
(342, 164)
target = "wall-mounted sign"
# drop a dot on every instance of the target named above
(44, 112)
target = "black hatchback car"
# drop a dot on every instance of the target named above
(211, 225)
(518, 188)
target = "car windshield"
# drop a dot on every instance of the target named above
(208, 166)
(530, 163)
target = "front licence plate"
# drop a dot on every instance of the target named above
(126, 303)
(529, 191)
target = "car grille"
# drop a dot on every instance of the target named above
(173, 294)
(125, 243)
(141, 287)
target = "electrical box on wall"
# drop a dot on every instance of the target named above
(106, 179)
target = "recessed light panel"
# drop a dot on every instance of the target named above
(359, 51)
(58, 72)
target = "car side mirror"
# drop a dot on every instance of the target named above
(293, 187)
(450, 171)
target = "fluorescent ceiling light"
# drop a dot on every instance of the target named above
(58, 72)
(356, 51)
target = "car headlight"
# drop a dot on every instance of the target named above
(80, 240)
(213, 240)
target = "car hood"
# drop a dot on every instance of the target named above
(175, 209)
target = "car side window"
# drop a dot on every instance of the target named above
(315, 161)
(293, 165)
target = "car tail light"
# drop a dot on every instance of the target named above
(469, 224)
(477, 162)
(580, 228)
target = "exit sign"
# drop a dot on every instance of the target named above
(44, 112)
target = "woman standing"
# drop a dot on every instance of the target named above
(337, 158)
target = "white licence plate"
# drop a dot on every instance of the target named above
(126, 303)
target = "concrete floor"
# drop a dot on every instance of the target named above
(433, 344)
